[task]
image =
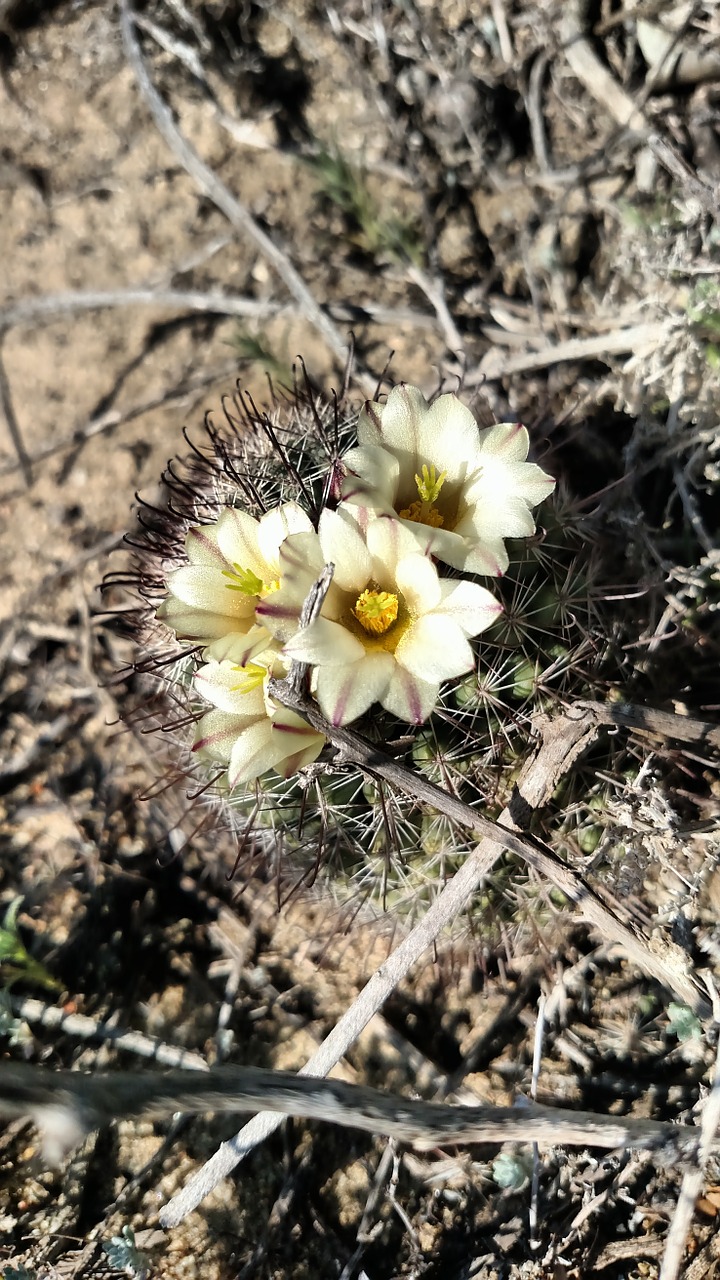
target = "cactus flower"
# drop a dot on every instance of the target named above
(247, 730)
(232, 564)
(390, 630)
(459, 490)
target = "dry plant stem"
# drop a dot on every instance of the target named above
(311, 608)
(11, 418)
(434, 293)
(237, 215)
(93, 1100)
(116, 418)
(556, 754)
(77, 1024)
(56, 304)
(664, 724)
(638, 339)
(591, 73)
(534, 110)
(577, 729)
(536, 786)
(692, 1184)
(690, 507)
(671, 160)
(497, 9)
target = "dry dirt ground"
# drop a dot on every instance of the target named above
(519, 196)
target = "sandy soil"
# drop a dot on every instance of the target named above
(456, 185)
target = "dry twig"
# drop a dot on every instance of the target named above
(236, 213)
(89, 1101)
(49, 306)
(692, 1185)
(78, 1024)
(639, 338)
(584, 62)
(556, 754)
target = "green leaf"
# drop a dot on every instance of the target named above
(16, 964)
(511, 1172)
(683, 1023)
(123, 1253)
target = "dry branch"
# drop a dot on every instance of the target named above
(563, 741)
(78, 1024)
(94, 1100)
(584, 62)
(639, 338)
(236, 213)
(559, 748)
(211, 302)
(663, 724)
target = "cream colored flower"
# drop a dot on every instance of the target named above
(460, 490)
(390, 630)
(231, 565)
(247, 730)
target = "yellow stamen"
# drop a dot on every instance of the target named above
(428, 487)
(419, 513)
(376, 611)
(248, 582)
(251, 676)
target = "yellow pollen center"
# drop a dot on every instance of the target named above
(250, 677)
(423, 511)
(376, 611)
(248, 583)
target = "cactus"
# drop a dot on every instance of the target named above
(559, 639)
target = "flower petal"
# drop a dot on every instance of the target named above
(417, 578)
(344, 546)
(324, 643)
(193, 624)
(448, 436)
(469, 605)
(207, 590)
(255, 751)
(225, 685)
(395, 424)
(275, 526)
(372, 476)
(530, 482)
(506, 440)
(389, 540)
(410, 698)
(463, 553)
(301, 563)
(435, 649)
(300, 742)
(215, 734)
(237, 648)
(346, 692)
(498, 483)
(201, 547)
(506, 517)
(488, 558)
(237, 535)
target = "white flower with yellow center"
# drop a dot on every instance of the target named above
(247, 730)
(390, 630)
(460, 490)
(232, 564)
